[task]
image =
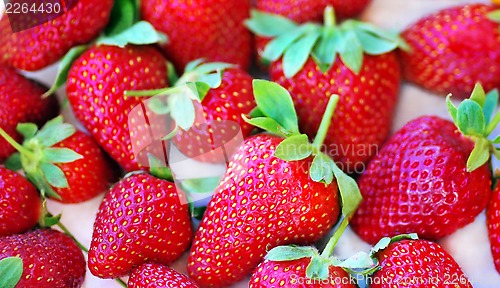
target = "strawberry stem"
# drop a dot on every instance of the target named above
(66, 231)
(329, 17)
(328, 251)
(326, 121)
(14, 144)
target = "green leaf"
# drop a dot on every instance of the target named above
(321, 169)
(214, 80)
(497, 140)
(182, 110)
(197, 212)
(373, 45)
(28, 130)
(200, 185)
(49, 220)
(360, 260)
(158, 106)
(349, 191)
(159, 169)
(325, 51)
(276, 47)
(14, 162)
(172, 74)
(289, 253)
(351, 51)
(452, 109)
(54, 131)
(212, 67)
(123, 15)
(202, 89)
(276, 103)
(318, 268)
(293, 148)
(381, 245)
(470, 118)
(41, 183)
(266, 124)
(141, 33)
(54, 175)
(60, 155)
(480, 154)
(193, 64)
(64, 66)
(478, 95)
(494, 16)
(490, 104)
(297, 54)
(269, 25)
(11, 270)
(372, 29)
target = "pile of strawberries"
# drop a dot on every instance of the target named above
(307, 153)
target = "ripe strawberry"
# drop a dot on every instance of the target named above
(50, 259)
(42, 45)
(142, 219)
(63, 163)
(96, 84)
(158, 276)
(415, 264)
(264, 201)
(493, 221)
(202, 29)
(430, 177)
(20, 206)
(21, 101)
(302, 11)
(221, 121)
(453, 49)
(308, 67)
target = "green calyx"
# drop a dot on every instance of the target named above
(210, 73)
(276, 114)
(11, 269)
(38, 158)
(296, 43)
(319, 265)
(386, 241)
(474, 118)
(494, 16)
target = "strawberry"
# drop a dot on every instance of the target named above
(296, 266)
(202, 29)
(453, 49)
(416, 264)
(265, 201)
(141, 219)
(302, 11)
(20, 206)
(96, 86)
(493, 221)
(44, 44)
(20, 101)
(431, 177)
(158, 276)
(63, 163)
(304, 61)
(50, 259)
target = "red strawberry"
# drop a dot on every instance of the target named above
(20, 206)
(309, 68)
(453, 49)
(158, 276)
(142, 219)
(221, 121)
(96, 85)
(63, 163)
(202, 29)
(38, 47)
(416, 264)
(21, 101)
(302, 11)
(50, 259)
(264, 201)
(493, 221)
(427, 178)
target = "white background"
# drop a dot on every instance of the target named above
(469, 246)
